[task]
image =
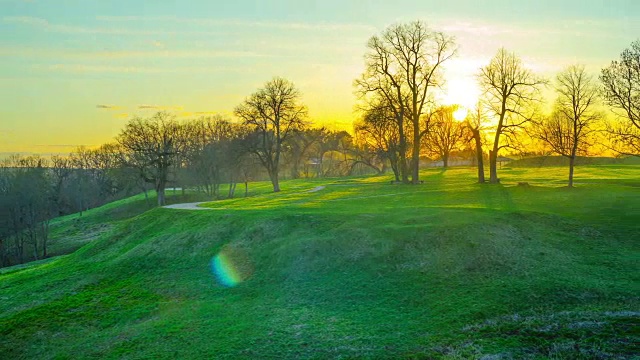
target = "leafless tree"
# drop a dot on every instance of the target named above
(378, 134)
(402, 66)
(621, 90)
(511, 94)
(567, 130)
(445, 134)
(273, 113)
(153, 144)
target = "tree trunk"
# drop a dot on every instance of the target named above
(493, 170)
(161, 192)
(146, 196)
(479, 159)
(415, 154)
(572, 160)
(402, 152)
(246, 188)
(273, 175)
(34, 238)
(445, 160)
(45, 237)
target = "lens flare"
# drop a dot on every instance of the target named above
(231, 266)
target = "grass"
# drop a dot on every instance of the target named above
(360, 269)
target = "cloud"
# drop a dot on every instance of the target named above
(108, 107)
(73, 29)
(89, 68)
(63, 145)
(122, 116)
(80, 68)
(27, 20)
(159, 107)
(49, 53)
(323, 26)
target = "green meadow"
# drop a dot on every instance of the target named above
(345, 268)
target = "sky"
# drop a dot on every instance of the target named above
(72, 72)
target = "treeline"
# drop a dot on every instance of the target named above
(34, 190)
(402, 120)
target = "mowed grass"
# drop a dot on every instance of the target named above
(358, 269)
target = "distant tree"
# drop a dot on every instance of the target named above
(402, 67)
(445, 134)
(61, 171)
(511, 92)
(621, 90)
(153, 145)
(334, 143)
(206, 153)
(567, 130)
(299, 147)
(273, 113)
(378, 135)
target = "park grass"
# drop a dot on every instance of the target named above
(360, 269)
(69, 233)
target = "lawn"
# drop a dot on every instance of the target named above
(347, 268)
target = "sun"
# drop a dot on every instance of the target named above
(461, 113)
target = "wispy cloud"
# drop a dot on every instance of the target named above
(80, 68)
(322, 26)
(127, 54)
(74, 29)
(90, 68)
(160, 107)
(107, 107)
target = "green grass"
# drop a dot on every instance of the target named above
(361, 269)
(69, 233)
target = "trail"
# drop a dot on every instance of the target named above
(194, 205)
(188, 206)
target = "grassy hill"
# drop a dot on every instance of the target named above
(350, 268)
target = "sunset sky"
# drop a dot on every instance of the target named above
(73, 71)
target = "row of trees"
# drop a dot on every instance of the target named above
(34, 190)
(401, 118)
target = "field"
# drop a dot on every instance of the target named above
(346, 268)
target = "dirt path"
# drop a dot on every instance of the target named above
(188, 206)
(194, 205)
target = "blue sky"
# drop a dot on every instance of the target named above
(72, 72)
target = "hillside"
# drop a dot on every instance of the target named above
(347, 268)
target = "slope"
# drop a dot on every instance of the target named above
(359, 269)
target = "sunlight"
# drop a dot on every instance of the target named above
(463, 91)
(460, 114)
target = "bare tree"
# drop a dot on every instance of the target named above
(621, 90)
(153, 144)
(511, 92)
(445, 134)
(273, 113)
(567, 130)
(402, 66)
(299, 147)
